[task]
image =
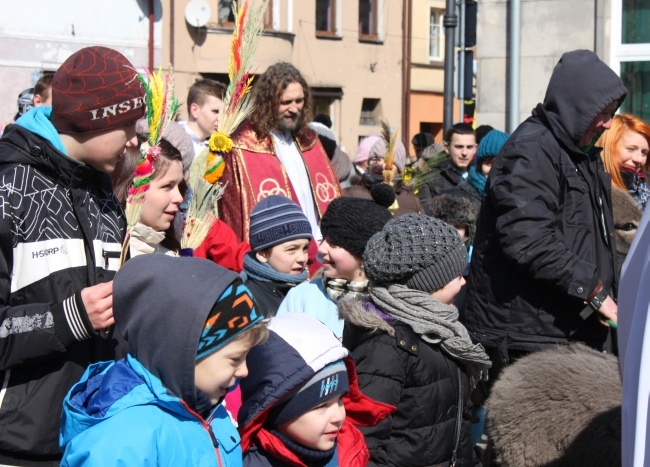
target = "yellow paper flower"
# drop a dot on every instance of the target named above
(220, 142)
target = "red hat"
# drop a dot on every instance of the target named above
(96, 89)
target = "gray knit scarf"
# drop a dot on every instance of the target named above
(435, 323)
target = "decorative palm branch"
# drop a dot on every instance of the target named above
(161, 108)
(389, 140)
(208, 167)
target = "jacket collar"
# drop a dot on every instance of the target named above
(20, 146)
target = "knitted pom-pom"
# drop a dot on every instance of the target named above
(383, 194)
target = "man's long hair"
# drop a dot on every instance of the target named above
(267, 94)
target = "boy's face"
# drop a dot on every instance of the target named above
(448, 293)
(163, 198)
(461, 150)
(288, 257)
(219, 371)
(206, 116)
(338, 263)
(318, 428)
(103, 149)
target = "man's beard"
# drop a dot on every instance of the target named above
(291, 126)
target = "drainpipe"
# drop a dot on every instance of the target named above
(449, 21)
(461, 62)
(171, 32)
(406, 73)
(514, 65)
(152, 18)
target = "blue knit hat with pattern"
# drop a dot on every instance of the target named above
(327, 383)
(490, 145)
(276, 219)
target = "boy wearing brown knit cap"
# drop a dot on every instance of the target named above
(61, 230)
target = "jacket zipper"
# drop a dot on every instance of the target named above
(207, 428)
(3, 388)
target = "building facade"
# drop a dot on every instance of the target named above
(37, 36)
(350, 53)
(617, 30)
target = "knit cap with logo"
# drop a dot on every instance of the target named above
(96, 89)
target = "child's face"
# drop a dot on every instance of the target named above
(219, 371)
(288, 257)
(103, 149)
(487, 165)
(338, 263)
(163, 198)
(318, 428)
(447, 293)
(206, 116)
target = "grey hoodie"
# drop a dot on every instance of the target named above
(143, 298)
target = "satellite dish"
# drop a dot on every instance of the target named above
(197, 13)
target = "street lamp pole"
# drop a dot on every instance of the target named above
(450, 21)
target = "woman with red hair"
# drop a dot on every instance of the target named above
(625, 155)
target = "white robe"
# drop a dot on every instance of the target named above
(634, 348)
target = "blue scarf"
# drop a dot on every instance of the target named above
(477, 180)
(265, 273)
(309, 456)
(38, 121)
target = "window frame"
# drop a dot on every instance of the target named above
(334, 21)
(374, 36)
(441, 38)
(619, 51)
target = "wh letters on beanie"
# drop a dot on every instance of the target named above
(96, 89)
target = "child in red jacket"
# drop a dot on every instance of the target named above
(301, 402)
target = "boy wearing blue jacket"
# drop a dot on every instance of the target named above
(189, 333)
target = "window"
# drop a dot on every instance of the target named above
(368, 19)
(326, 17)
(226, 16)
(631, 53)
(636, 18)
(436, 35)
(370, 112)
(268, 16)
(325, 99)
(636, 77)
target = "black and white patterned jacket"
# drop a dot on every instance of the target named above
(60, 229)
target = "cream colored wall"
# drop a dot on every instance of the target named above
(420, 35)
(362, 70)
(548, 29)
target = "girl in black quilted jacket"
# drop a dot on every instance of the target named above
(410, 349)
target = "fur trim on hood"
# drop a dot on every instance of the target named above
(456, 211)
(352, 311)
(559, 407)
(627, 216)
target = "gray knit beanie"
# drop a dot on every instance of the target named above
(416, 250)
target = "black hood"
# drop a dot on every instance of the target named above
(161, 304)
(581, 86)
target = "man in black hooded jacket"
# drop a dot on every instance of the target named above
(543, 271)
